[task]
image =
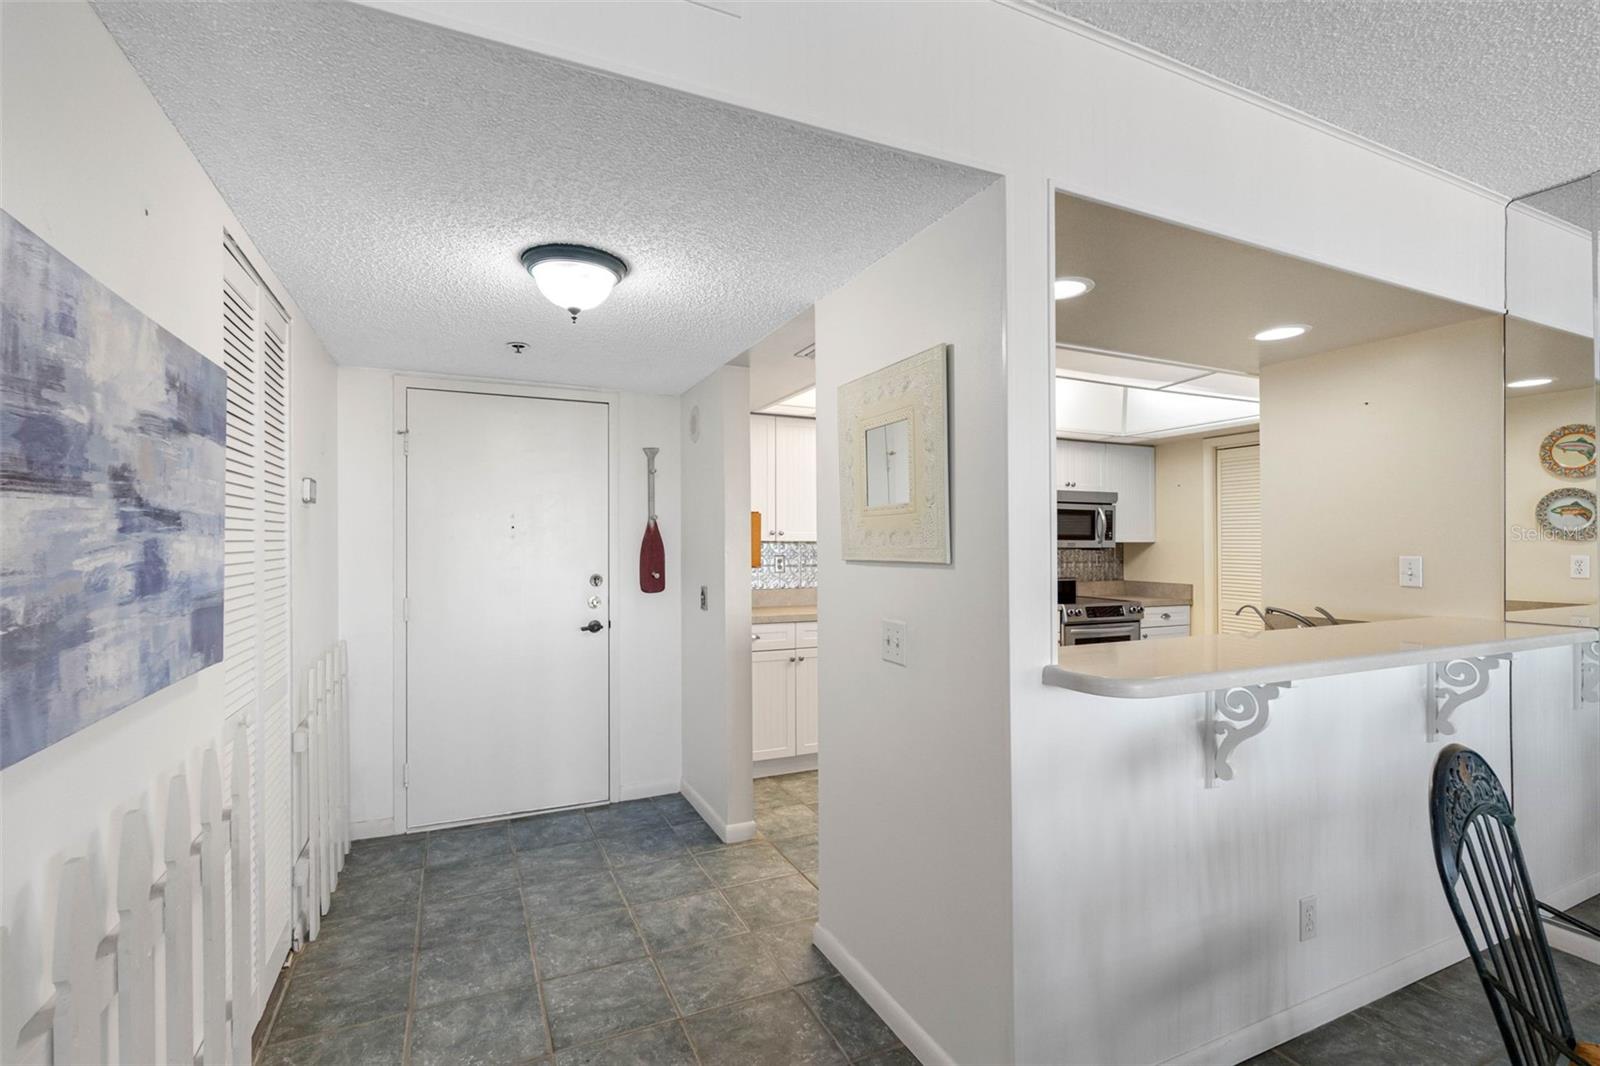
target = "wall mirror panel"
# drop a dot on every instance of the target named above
(1552, 569)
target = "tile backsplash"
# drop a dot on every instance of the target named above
(1090, 564)
(788, 565)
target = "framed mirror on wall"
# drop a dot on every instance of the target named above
(1552, 364)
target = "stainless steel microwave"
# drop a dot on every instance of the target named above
(1086, 519)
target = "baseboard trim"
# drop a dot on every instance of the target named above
(376, 827)
(635, 792)
(912, 1035)
(1320, 1009)
(794, 764)
(735, 833)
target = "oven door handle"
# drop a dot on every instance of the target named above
(1100, 526)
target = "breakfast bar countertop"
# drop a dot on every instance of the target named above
(1147, 669)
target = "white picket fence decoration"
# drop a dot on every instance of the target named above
(321, 790)
(68, 1029)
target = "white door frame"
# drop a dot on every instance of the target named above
(405, 382)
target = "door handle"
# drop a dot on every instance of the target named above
(594, 626)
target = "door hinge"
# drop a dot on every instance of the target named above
(405, 440)
(405, 775)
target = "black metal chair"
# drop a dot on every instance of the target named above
(1479, 857)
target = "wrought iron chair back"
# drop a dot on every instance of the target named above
(1486, 881)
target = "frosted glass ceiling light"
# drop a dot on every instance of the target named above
(1067, 288)
(1281, 333)
(574, 277)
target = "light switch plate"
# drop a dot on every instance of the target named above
(1411, 571)
(894, 642)
(1580, 566)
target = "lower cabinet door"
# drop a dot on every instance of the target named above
(805, 702)
(772, 704)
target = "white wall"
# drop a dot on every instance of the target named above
(1003, 86)
(914, 761)
(716, 636)
(1381, 450)
(92, 165)
(645, 627)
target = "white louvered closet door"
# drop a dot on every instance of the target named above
(256, 583)
(1238, 538)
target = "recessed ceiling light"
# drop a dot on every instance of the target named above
(1281, 333)
(574, 277)
(1528, 383)
(1067, 288)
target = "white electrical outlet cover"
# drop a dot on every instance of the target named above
(1580, 566)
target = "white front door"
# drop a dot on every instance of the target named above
(507, 526)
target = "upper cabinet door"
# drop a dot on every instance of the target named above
(1130, 472)
(795, 478)
(1080, 464)
(762, 497)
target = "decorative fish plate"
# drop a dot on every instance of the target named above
(1569, 451)
(1567, 514)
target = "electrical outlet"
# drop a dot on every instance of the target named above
(894, 642)
(1411, 571)
(1580, 566)
(1308, 918)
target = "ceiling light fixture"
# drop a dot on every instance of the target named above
(1281, 333)
(1528, 383)
(1067, 288)
(574, 277)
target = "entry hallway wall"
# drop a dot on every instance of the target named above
(646, 626)
(93, 166)
(918, 862)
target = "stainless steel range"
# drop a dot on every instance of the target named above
(1091, 620)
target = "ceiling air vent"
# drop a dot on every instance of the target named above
(808, 352)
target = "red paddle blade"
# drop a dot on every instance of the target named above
(652, 561)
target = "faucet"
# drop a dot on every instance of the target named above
(1299, 619)
(1323, 611)
(1251, 607)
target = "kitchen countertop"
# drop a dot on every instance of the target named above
(1151, 668)
(1147, 593)
(796, 613)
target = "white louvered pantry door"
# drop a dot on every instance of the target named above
(1238, 537)
(256, 583)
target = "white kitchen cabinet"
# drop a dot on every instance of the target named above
(772, 677)
(1162, 622)
(1130, 472)
(783, 476)
(763, 430)
(783, 690)
(794, 481)
(805, 702)
(1080, 464)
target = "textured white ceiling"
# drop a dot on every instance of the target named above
(391, 173)
(1505, 93)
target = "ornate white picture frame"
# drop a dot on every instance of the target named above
(900, 415)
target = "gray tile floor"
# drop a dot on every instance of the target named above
(1443, 1018)
(620, 934)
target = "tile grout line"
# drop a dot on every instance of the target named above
(533, 950)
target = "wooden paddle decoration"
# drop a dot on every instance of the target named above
(652, 553)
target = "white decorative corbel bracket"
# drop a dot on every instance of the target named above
(1454, 683)
(1585, 672)
(1234, 715)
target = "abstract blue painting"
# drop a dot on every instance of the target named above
(111, 497)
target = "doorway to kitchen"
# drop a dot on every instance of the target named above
(505, 621)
